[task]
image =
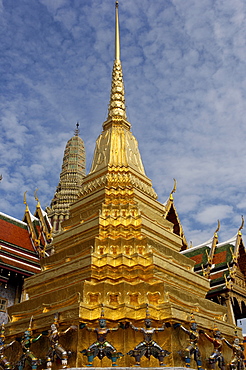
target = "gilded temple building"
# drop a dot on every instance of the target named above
(120, 255)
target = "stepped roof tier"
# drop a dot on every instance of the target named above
(120, 249)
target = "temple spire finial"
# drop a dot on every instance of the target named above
(117, 109)
(117, 32)
(76, 131)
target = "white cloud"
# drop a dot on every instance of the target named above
(210, 213)
(53, 5)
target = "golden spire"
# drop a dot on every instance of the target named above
(117, 32)
(117, 109)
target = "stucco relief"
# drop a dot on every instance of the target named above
(101, 152)
(133, 155)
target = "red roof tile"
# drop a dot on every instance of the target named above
(17, 235)
(219, 257)
(197, 258)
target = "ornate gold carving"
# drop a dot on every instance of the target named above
(229, 283)
(154, 298)
(134, 298)
(132, 153)
(113, 298)
(117, 100)
(114, 179)
(127, 249)
(93, 298)
(240, 282)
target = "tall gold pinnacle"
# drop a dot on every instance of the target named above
(117, 109)
(117, 32)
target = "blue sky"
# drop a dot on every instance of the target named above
(185, 84)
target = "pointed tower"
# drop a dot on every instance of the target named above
(71, 178)
(120, 248)
(122, 195)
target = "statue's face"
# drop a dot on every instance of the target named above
(53, 327)
(27, 334)
(147, 323)
(193, 326)
(217, 334)
(102, 323)
(236, 341)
